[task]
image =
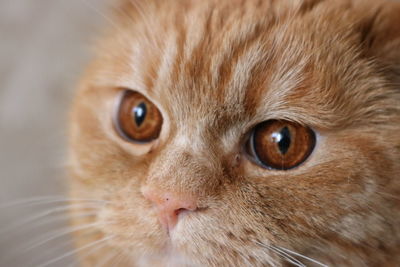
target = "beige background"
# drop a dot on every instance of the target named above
(43, 47)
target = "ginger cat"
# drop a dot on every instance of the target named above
(241, 133)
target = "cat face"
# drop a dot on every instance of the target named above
(240, 132)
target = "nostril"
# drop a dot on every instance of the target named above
(171, 205)
(178, 211)
(181, 210)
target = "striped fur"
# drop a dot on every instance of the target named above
(215, 69)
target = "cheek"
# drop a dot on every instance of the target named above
(93, 136)
(99, 160)
(125, 217)
(132, 221)
(342, 177)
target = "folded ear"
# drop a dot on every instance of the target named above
(381, 36)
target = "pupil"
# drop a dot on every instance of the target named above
(140, 112)
(284, 140)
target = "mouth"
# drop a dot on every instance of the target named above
(171, 254)
(180, 235)
(184, 219)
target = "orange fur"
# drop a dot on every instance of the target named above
(215, 69)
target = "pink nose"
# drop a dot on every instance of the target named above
(170, 205)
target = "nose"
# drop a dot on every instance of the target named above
(170, 205)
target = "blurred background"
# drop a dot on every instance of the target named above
(44, 46)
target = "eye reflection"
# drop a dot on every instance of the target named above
(139, 113)
(283, 139)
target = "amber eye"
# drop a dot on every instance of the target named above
(138, 119)
(281, 145)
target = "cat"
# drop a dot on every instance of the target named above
(240, 133)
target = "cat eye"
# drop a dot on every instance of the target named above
(138, 119)
(280, 145)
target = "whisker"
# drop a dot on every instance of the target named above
(59, 247)
(33, 199)
(94, 249)
(16, 252)
(53, 249)
(284, 255)
(302, 256)
(288, 257)
(46, 200)
(44, 214)
(57, 234)
(62, 217)
(108, 258)
(76, 251)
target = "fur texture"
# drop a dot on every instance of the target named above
(215, 69)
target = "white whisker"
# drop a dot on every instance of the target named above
(288, 257)
(45, 200)
(62, 217)
(284, 255)
(55, 249)
(57, 234)
(45, 214)
(302, 256)
(76, 251)
(93, 250)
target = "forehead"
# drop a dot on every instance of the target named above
(240, 60)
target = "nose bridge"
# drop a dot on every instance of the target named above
(186, 169)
